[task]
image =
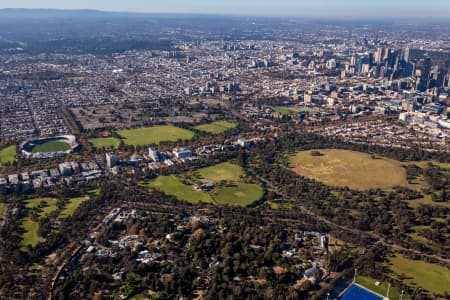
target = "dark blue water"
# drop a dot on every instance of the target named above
(357, 293)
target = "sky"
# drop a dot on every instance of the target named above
(313, 8)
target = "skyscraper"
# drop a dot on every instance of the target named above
(426, 72)
(353, 60)
(448, 63)
(406, 54)
(381, 55)
(446, 81)
(378, 55)
(410, 68)
(359, 63)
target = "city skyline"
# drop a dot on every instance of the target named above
(225, 149)
(318, 8)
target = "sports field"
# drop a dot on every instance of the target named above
(53, 146)
(217, 127)
(172, 186)
(154, 135)
(45, 206)
(381, 289)
(349, 168)
(8, 154)
(233, 192)
(241, 194)
(224, 171)
(431, 277)
(107, 143)
(285, 110)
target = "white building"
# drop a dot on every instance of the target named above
(331, 101)
(182, 153)
(244, 143)
(331, 64)
(111, 160)
(153, 154)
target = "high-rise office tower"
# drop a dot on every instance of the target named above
(434, 73)
(386, 53)
(359, 63)
(396, 63)
(448, 63)
(406, 54)
(353, 60)
(379, 55)
(410, 69)
(426, 72)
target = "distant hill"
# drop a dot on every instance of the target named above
(79, 31)
(26, 13)
(23, 13)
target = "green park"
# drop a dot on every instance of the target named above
(154, 135)
(229, 186)
(217, 127)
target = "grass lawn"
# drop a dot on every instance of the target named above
(418, 238)
(217, 127)
(51, 147)
(280, 204)
(349, 168)
(306, 110)
(107, 143)
(426, 200)
(171, 185)
(224, 171)
(72, 205)
(30, 227)
(234, 193)
(154, 135)
(241, 194)
(31, 235)
(93, 192)
(431, 277)
(424, 164)
(8, 154)
(2, 210)
(419, 184)
(284, 110)
(381, 289)
(45, 205)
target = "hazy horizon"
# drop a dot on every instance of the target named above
(317, 8)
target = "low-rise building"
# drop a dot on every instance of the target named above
(65, 169)
(153, 154)
(182, 153)
(111, 160)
